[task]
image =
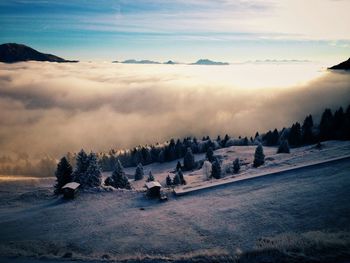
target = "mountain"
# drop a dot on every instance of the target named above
(12, 52)
(133, 61)
(344, 65)
(170, 62)
(209, 62)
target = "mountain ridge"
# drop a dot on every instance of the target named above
(13, 53)
(209, 62)
(345, 65)
(144, 61)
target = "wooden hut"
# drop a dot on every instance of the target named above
(153, 189)
(70, 190)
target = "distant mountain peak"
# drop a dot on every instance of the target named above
(134, 61)
(209, 62)
(12, 52)
(170, 62)
(342, 66)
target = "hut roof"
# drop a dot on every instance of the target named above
(152, 184)
(72, 185)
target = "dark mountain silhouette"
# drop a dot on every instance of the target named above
(344, 65)
(12, 52)
(209, 62)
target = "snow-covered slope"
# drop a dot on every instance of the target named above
(225, 220)
(273, 162)
(222, 221)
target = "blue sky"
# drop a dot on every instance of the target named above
(182, 30)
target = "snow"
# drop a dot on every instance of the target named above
(273, 163)
(124, 224)
(150, 185)
(229, 180)
(72, 185)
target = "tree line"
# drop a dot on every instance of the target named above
(88, 167)
(332, 126)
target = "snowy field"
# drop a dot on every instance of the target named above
(289, 212)
(273, 163)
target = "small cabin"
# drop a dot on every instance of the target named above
(153, 189)
(70, 190)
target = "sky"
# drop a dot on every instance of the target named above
(181, 30)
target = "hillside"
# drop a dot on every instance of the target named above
(12, 52)
(270, 218)
(274, 162)
(342, 66)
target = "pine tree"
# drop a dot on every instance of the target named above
(189, 162)
(178, 149)
(136, 156)
(177, 179)
(347, 124)
(170, 153)
(154, 153)
(181, 176)
(225, 140)
(150, 177)
(216, 170)
(267, 138)
(119, 178)
(307, 135)
(294, 137)
(275, 137)
(210, 154)
(257, 135)
(161, 157)
(326, 125)
(236, 166)
(93, 176)
(219, 141)
(139, 172)
(339, 121)
(146, 155)
(168, 180)
(259, 156)
(178, 166)
(109, 181)
(82, 163)
(63, 174)
(245, 141)
(194, 145)
(284, 147)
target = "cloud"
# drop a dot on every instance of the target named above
(266, 19)
(54, 108)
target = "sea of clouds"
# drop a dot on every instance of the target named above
(50, 108)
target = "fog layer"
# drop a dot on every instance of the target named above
(54, 108)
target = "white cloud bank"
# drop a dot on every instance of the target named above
(54, 108)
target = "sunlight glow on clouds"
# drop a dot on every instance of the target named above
(54, 108)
